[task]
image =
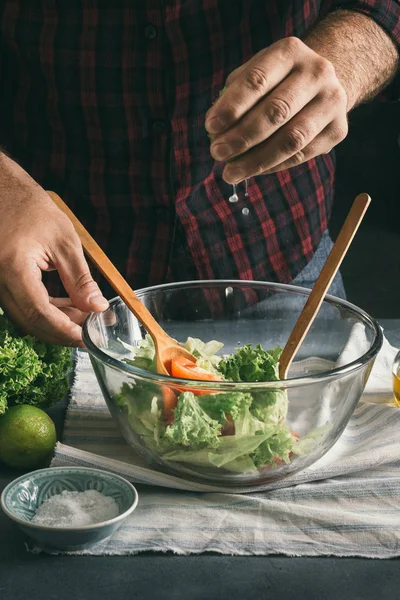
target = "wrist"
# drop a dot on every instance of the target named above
(363, 55)
(346, 74)
(350, 84)
(13, 176)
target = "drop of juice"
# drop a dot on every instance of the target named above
(234, 197)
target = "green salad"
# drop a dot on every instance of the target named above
(31, 372)
(237, 431)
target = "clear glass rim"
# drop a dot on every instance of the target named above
(144, 375)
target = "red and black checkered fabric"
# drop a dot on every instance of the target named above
(104, 102)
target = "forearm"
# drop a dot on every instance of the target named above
(363, 54)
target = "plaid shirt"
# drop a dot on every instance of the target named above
(106, 106)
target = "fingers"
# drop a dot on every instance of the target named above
(282, 106)
(27, 302)
(258, 77)
(42, 239)
(290, 141)
(274, 111)
(74, 271)
(66, 306)
(322, 144)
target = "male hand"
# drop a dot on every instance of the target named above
(36, 236)
(281, 108)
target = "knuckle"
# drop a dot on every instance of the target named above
(246, 143)
(339, 95)
(230, 113)
(293, 45)
(295, 140)
(63, 225)
(278, 111)
(84, 281)
(68, 241)
(323, 69)
(257, 79)
(298, 158)
(338, 132)
(243, 142)
(335, 95)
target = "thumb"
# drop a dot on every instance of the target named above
(77, 279)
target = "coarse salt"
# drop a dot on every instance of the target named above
(76, 509)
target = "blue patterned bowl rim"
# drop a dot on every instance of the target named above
(54, 470)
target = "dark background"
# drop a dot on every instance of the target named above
(369, 161)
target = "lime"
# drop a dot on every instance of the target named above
(27, 437)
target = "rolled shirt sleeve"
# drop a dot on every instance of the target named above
(385, 13)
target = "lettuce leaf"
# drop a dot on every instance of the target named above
(217, 406)
(270, 405)
(251, 364)
(246, 424)
(277, 447)
(229, 450)
(192, 426)
(31, 372)
(206, 353)
(241, 454)
(143, 356)
(205, 350)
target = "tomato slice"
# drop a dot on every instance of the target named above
(170, 402)
(184, 368)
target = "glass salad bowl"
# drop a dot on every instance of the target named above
(237, 429)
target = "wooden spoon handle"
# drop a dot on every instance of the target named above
(111, 273)
(323, 282)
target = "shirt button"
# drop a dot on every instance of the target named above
(150, 32)
(159, 126)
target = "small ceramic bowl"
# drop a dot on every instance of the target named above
(23, 496)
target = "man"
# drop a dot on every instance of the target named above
(115, 108)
